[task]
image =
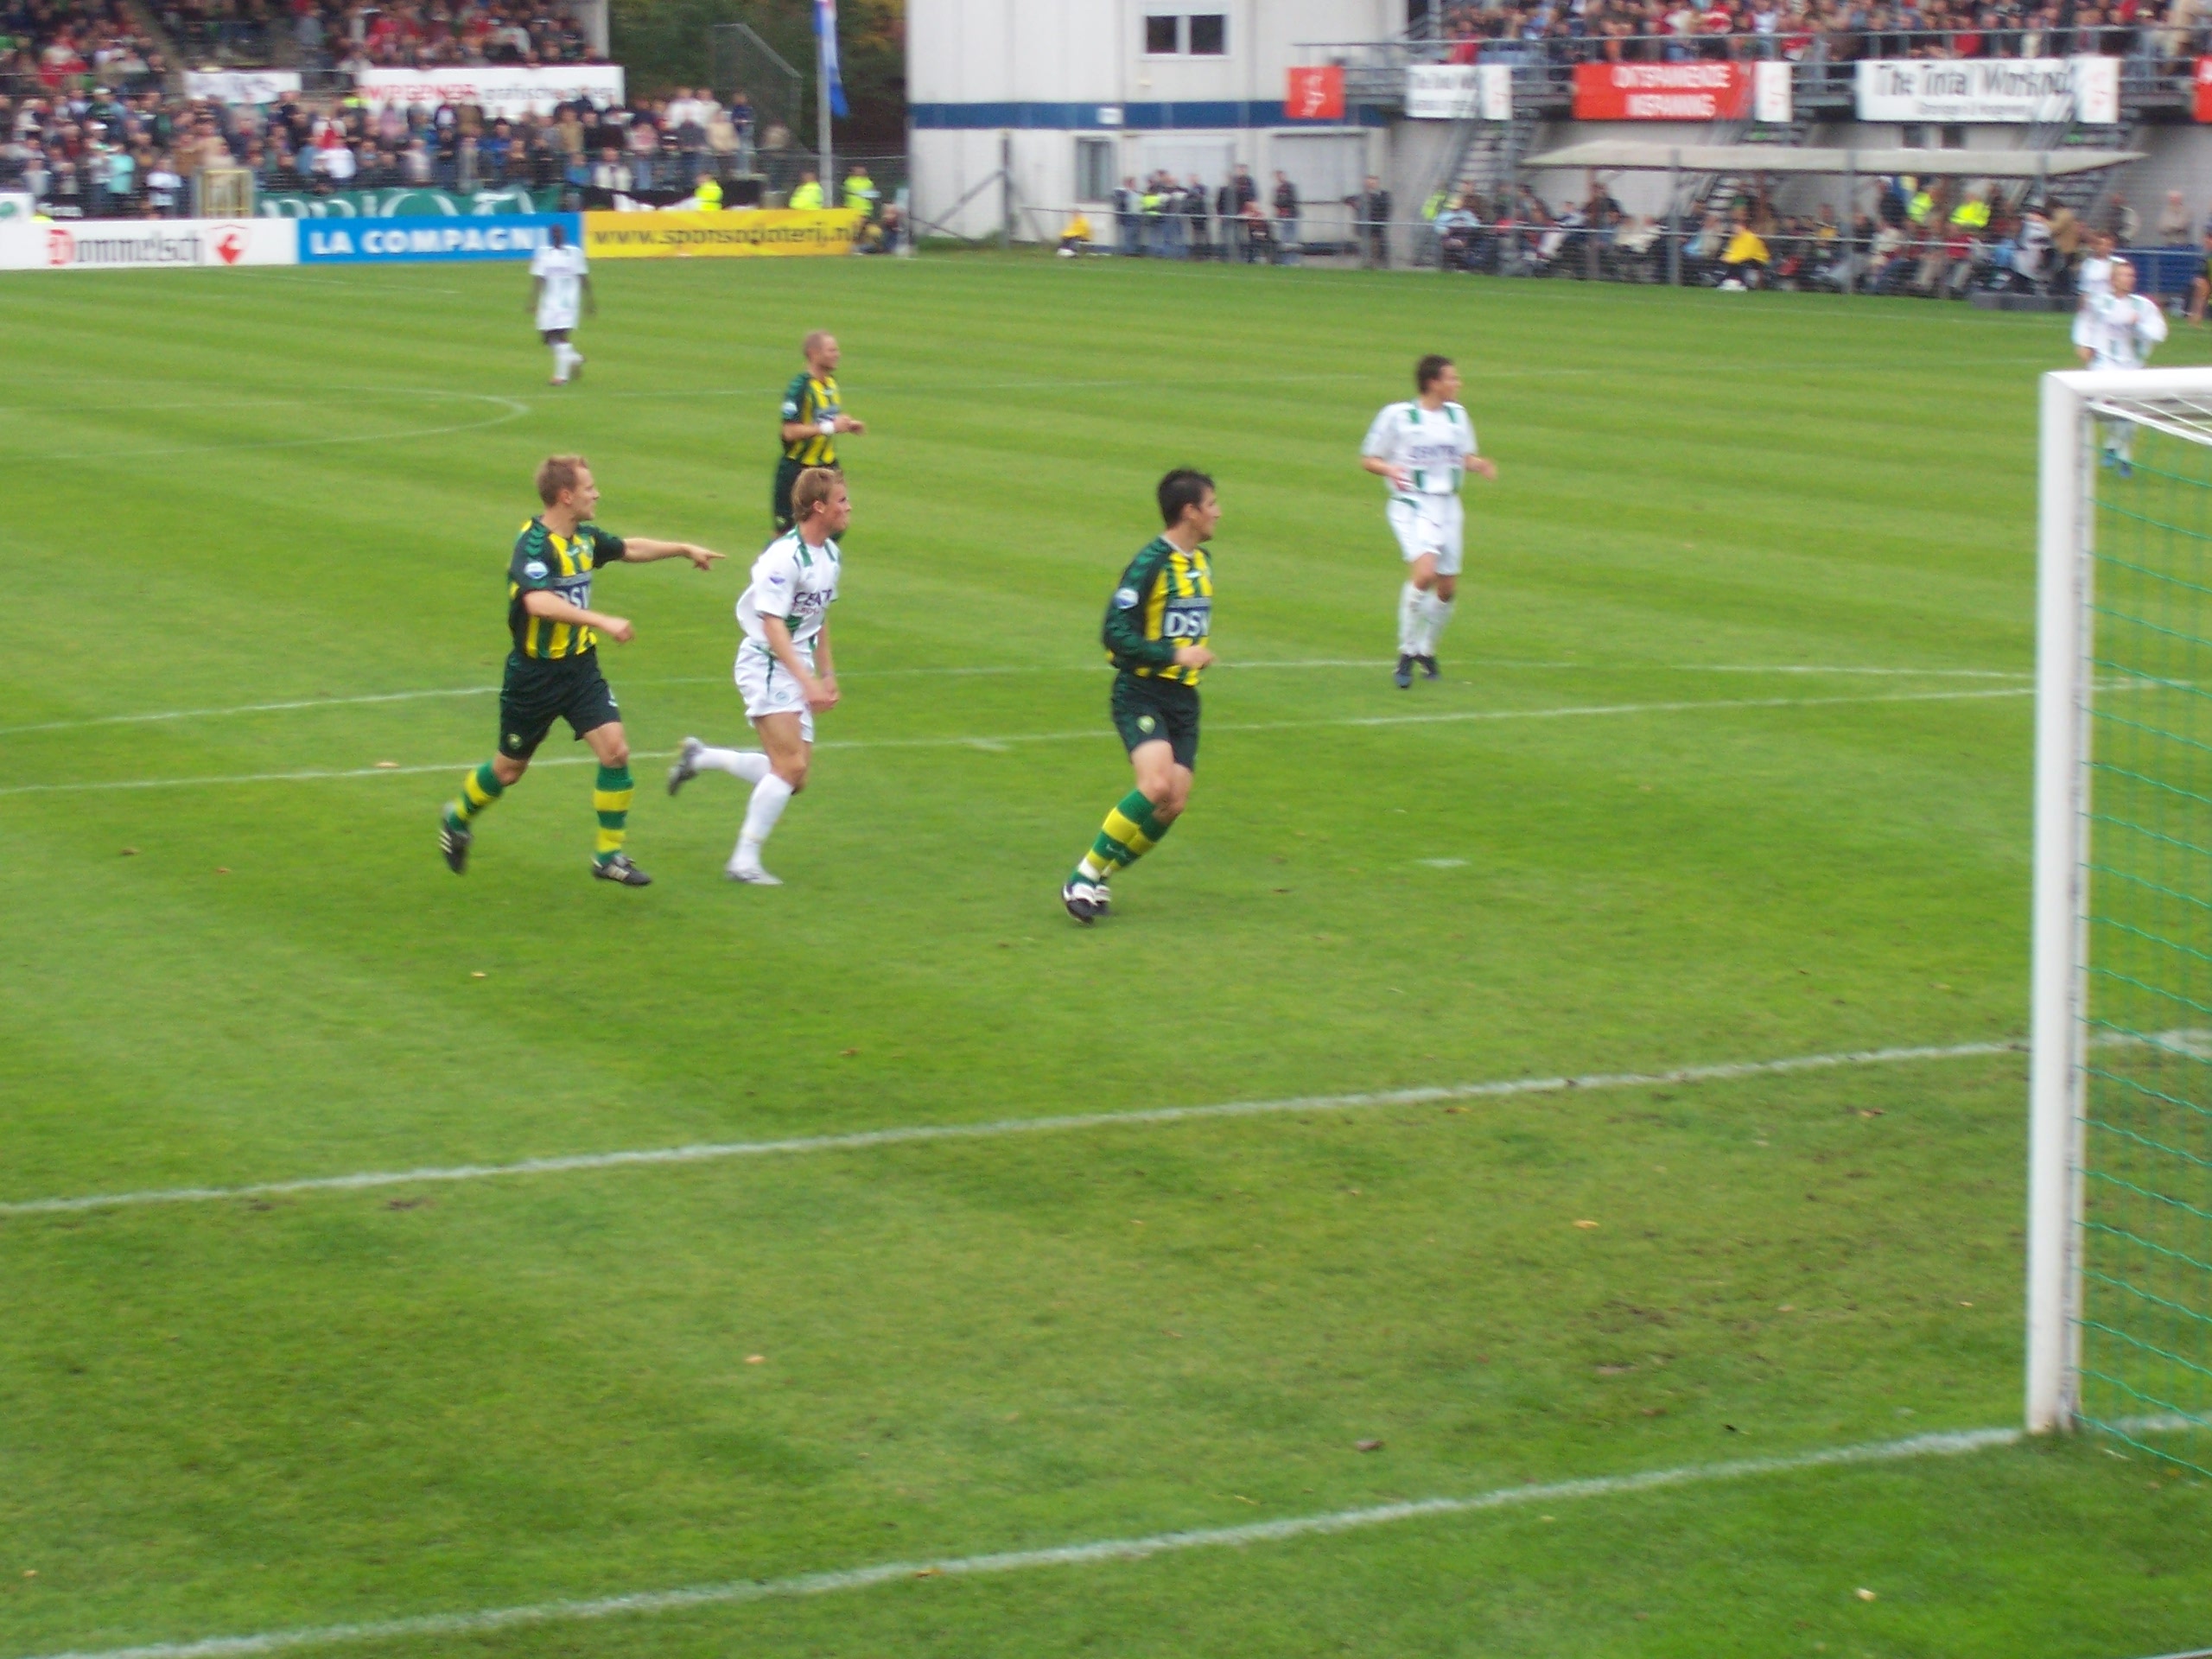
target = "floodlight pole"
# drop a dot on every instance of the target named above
(2058, 985)
(831, 195)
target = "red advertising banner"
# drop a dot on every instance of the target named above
(2204, 89)
(1662, 92)
(1315, 95)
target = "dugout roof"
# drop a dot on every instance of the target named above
(1641, 154)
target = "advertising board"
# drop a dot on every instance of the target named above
(242, 85)
(1459, 92)
(1662, 91)
(405, 201)
(152, 245)
(506, 90)
(1961, 91)
(423, 238)
(765, 232)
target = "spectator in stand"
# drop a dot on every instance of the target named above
(614, 173)
(2200, 282)
(1372, 209)
(1286, 225)
(1197, 225)
(2174, 222)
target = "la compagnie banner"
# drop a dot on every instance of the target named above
(767, 231)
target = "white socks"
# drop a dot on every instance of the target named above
(770, 796)
(565, 358)
(1422, 617)
(749, 765)
(1435, 612)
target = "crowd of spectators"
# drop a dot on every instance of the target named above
(1660, 31)
(100, 153)
(1935, 239)
(56, 44)
(356, 34)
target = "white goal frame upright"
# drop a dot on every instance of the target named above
(2179, 402)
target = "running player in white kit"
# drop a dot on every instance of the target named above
(560, 286)
(783, 668)
(2117, 330)
(1424, 449)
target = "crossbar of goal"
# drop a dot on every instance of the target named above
(2119, 1203)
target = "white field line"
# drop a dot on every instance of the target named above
(998, 1128)
(1098, 734)
(1957, 1443)
(975, 671)
(510, 409)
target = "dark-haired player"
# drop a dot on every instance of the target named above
(1423, 448)
(1155, 635)
(553, 671)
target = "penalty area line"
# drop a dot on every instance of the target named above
(998, 1128)
(1096, 1551)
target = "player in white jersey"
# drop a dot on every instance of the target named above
(784, 667)
(560, 289)
(2094, 280)
(2117, 331)
(1423, 448)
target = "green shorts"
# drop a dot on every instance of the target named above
(538, 689)
(779, 499)
(1147, 710)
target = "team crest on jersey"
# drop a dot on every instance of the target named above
(1145, 724)
(535, 569)
(1125, 599)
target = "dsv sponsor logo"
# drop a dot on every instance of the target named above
(1188, 621)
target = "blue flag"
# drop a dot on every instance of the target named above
(825, 36)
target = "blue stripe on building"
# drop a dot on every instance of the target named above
(1210, 115)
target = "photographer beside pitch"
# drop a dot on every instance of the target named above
(1155, 635)
(553, 671)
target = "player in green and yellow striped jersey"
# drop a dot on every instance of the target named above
(553, 671)
(814, 419)
(1155, 635)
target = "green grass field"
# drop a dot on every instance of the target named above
(1729, 764)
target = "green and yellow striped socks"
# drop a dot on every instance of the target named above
(478, 791)
(1131, 831)
(610, 799)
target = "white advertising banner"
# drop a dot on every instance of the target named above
(502, 90)
(1459, 92)
(151, 244)
(242, 85)
(1441, 91)
(2019, 90)
(1771, 104)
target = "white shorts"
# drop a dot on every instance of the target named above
(1428, 523)
(768, 688)
(556, 320)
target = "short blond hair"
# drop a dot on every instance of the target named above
(812, 489)
(556, 474)
(812, 343)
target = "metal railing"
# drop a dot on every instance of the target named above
(2157, 61)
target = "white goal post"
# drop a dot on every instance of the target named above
(2119, 1190)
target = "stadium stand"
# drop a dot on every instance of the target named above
(50, 45)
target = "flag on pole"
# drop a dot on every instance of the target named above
(825, 34)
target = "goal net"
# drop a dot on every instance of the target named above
(2120, 1248)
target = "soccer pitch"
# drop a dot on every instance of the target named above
(1729, 765)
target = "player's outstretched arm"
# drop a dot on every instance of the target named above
(640, 550)
(554, 608)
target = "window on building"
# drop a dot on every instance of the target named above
(1094, 170)
(1200, 35)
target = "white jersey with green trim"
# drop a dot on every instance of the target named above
(792, 583)
(1431, 444)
